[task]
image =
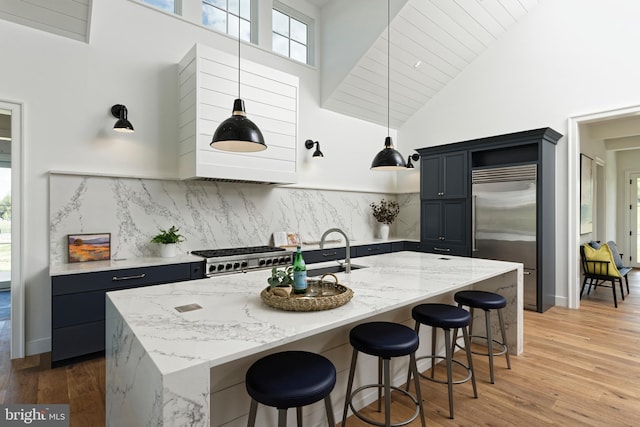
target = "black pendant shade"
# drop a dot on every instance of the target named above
(389, 159)
(238, 133)
(119, 111)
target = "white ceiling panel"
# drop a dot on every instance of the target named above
(432, 41)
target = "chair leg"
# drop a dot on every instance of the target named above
(252, 413)
(487, 316)
(414, 367)
(434, 333)
(584, 284)
(347, 397)
(613, 288)
(504, 337)
(329, 408)
(408, 386)
(380, 382)
(387, 393)
(621, 288)
(282, 417)
(447, 349)
(467, 349)
(626, 279)
(299, 415)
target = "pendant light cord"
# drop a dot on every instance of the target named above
(238, 57)
(388, 66)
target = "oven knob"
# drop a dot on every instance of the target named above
(268, 262)
(275, 261)
(220, 267)
(212, 268)
(261, 262)
(236, 265)
(283, 260)
(228, 266)
(244, 264)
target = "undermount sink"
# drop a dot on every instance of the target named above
(331, 269)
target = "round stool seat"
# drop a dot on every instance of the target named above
(481, 299)
(384, 339)
(290, 379)
(441, 315)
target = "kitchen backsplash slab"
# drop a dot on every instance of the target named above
(209, 214)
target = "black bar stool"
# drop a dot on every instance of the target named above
(290, 379)
(384, 340)
(486, 301)
(445, 317)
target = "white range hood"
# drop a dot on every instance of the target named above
(208, 81)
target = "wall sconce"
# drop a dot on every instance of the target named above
(309, 144)
(119, 111)
(415, 157)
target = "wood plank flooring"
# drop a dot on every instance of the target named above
(579, 368)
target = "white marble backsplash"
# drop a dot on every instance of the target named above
(209, 214)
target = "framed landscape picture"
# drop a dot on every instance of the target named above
(89, 247)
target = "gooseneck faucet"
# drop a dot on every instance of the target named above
(337, 230)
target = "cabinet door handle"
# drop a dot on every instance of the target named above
(441, 194)
(331, 254)
(526, 273)
(138, 276)
(441, 249)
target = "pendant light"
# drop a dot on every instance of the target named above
(389, 159)
(238, 133)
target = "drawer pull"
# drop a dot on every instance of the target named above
(331, 254)
(138, 276)
(441, 249)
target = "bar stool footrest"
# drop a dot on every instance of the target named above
(377, 423)
(436, 380)
(498, 352)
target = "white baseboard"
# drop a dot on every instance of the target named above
(39, 346)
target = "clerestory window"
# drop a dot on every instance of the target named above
(291, 34)
(226, 15)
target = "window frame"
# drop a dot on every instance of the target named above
(253, 18)
(309, 22)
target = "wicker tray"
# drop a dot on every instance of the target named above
(321, 295)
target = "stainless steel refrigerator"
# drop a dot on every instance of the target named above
(503, 219)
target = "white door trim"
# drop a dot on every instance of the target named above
(17, 240)
(631, 243)
(573, 221)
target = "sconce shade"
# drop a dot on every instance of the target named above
(309, 145)
(238, 133)
(413, 157)
(119, 111)
(388, 159)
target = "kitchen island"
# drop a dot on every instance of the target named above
(164, 367)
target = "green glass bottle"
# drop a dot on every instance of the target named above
(299, 273)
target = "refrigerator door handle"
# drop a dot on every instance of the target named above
(474, 248)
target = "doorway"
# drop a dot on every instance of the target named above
(634, 220)
(11, 245)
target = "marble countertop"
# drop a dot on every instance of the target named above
(116, 264)
(233, 321)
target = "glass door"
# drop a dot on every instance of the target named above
(634, 220)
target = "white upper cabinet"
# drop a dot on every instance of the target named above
(208, 80)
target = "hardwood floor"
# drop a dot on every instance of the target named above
(579, 368)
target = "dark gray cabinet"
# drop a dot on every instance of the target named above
(446, 200)
(445, 226)
(444, 176)
(78, 304)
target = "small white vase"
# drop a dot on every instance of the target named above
(168, 250)
(383, 231)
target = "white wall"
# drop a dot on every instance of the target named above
(68, 87)
(566, 58)
(628, 161)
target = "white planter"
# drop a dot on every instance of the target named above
(383, 231)
(168, 250)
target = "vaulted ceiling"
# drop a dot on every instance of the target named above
(431, 42)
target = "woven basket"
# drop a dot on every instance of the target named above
(305, 302)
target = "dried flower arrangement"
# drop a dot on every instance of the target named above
(385, 211)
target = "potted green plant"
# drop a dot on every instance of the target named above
(168, 240)
(281, 281)
(385, 213)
